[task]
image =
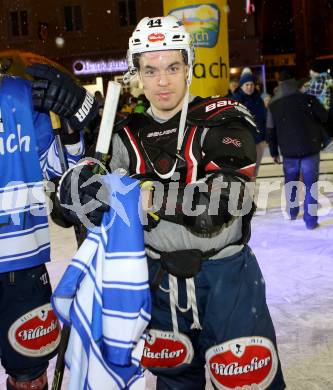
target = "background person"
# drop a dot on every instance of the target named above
(295, 124)
(233, 85)
(250, 97)
(99, 98)
(320, 85)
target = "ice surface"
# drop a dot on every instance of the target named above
(297, 265)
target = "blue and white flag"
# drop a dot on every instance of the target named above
(104, 296)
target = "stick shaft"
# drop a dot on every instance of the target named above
(60, 363)
(109, 114)
(56, 125)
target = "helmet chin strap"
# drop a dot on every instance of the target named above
(129, 76)
(183, 115)
(182, 121)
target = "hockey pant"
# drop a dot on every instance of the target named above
(29, 330)
(236, 340)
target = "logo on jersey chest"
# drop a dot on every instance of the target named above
(160, 147)
(36, 333)
(244, 363)
(10, 143)
(161, 133)
(163, 165)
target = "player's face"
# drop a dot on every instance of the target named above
(163, 75)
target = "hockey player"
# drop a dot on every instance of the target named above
(208, 292)
(29, 330)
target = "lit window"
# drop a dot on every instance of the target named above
(19, 23)
(73, 18)
(127, 12)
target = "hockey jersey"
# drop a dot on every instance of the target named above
(146, 145)
(105, 296)
(27, 156)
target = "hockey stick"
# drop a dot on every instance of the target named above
(56, 125)
(107, 122)
(60, 363)
(101, 153)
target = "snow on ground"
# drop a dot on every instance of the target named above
(297, 265)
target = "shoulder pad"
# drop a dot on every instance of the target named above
(216, 111)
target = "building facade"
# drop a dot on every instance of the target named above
(90, 37)
(294, 33)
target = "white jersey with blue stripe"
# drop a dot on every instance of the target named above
(104, 295)
(27, 156)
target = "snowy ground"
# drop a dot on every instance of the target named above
(298, 268)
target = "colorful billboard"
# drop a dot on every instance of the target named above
(202, 21)
(207, 23)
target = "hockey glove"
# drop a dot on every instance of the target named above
(83, 195)
(56, 91)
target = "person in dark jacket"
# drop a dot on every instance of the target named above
(248, 95)
(233, 85)
(295, 125)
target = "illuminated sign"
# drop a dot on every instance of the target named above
(100, 66)
(206, 21)
(249, 7)
(202, 21)
(280, 59)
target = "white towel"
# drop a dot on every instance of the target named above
(104, 296)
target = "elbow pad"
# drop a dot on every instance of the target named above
(216, 204)
(206, 206)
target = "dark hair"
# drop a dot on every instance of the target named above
(234, 79)
(317, 66)
(286, 74)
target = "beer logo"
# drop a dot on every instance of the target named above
(202, 21)
(156, 37)
(248, 362)
(164, 349)
(36, 333)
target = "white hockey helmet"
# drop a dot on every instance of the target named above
(159, 33)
